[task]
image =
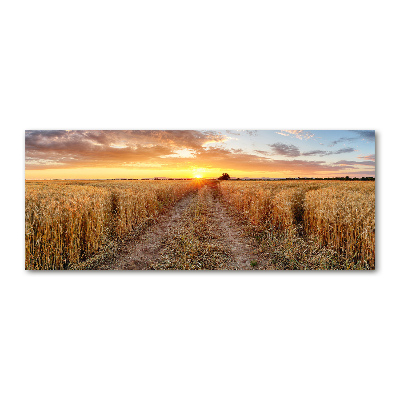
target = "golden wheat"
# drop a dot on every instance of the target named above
(343, 217)
(67, 221)
(70, 221)
(338, 215)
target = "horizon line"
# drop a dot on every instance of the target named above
(194, 178)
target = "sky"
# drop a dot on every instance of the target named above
(89, 154)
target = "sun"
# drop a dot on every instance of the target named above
(198, 173)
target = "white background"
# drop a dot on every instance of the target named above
(199, 65)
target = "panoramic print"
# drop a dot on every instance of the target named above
(200, 200)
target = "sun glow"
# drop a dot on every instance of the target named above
(198, 173)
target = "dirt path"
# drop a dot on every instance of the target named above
(197, 233)
(145, 250)
(242, 249)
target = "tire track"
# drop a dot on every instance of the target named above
(208, 238)
(142, 252)
(197, 233)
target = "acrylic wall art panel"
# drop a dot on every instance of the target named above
(200, 200)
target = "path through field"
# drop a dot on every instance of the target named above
(197, 233)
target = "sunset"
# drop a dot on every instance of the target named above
(197, 199)
(200, 200)
(74, 154)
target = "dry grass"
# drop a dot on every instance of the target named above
(297, 224)
(68, 222)
(197, 243)
(309, 224)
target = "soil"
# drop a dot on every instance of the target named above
(186, 238)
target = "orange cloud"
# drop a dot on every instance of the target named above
(179, 151)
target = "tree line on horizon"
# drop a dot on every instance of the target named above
(225, 176)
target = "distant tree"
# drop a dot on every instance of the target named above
(224, 177)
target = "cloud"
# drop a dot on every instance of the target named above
(350, 163)
(343, 139)
(165, 150)
(299, 134)
(236, 151)
(287, 150)
(225, 159)
(366, 135)
(316, 153)
(369, 135)
(177, 139)
(370, 157)
(322, 153)
(239, 132)
(344, 150)
(73, 149)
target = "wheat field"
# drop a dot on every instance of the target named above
(333, 215)
(67, 222)
(297, 224)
